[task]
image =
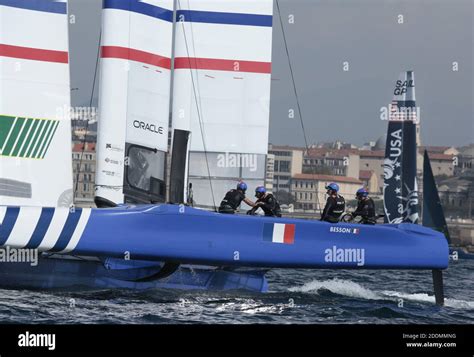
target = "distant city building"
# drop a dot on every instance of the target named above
(457, 196)
(447, 150)
(288, 162)
(309, 190)
(337, 162)
(373, 161)
(84, 124)
(82, 132)
(441, 158)
(336, 145)
(84, 164)
(368, 146)
(270, 172)
(441, 164)
(465, 160)
(370, 181)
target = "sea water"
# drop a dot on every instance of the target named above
(295, 296)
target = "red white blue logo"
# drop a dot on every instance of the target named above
(279, 233)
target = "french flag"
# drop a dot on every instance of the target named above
(279, 233)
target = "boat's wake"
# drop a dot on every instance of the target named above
(355, 290)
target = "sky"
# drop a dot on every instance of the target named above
(375, 39)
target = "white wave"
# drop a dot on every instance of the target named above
(352, 289)
(251, 307)
(420, 297)
(338, 286)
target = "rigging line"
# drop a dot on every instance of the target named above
(90, 106)
(199, 114)
(197, 77)
(203, 135)
(297, 100)
(199, 108)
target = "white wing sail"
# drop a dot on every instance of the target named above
(134, 101)
(222, 91)
(35, 129)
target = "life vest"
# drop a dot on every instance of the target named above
(232, 200)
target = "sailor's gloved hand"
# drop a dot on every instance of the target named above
(250, 212)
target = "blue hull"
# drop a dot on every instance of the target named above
(73, 274)
(180, 234)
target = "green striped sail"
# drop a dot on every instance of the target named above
(26, 137)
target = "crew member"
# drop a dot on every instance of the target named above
(234, 198)
(365, 207)
(335, 204)
(267, 202)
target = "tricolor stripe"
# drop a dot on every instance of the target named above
(3, 211)
(24, 227)
(185, 62)
(54, 229)
(68, 230)
(225, 18)
(223, 65)
(140, 7)
(136, 55)
(34, 54)
(41, 228)
(279, 233)
(53, 6)
(8, 223)
(81, 225)
(210, 17)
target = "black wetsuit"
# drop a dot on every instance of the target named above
(231, 201)
(366, 209)
(269, 205)
(335, 207)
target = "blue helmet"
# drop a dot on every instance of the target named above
(362, 192)
(242, 186)
(260, 191)
(333, 186)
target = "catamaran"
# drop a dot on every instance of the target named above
(209, 64)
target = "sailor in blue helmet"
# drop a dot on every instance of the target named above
(267, 202)
(234, 198)
(335, 204)
(365, 207)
